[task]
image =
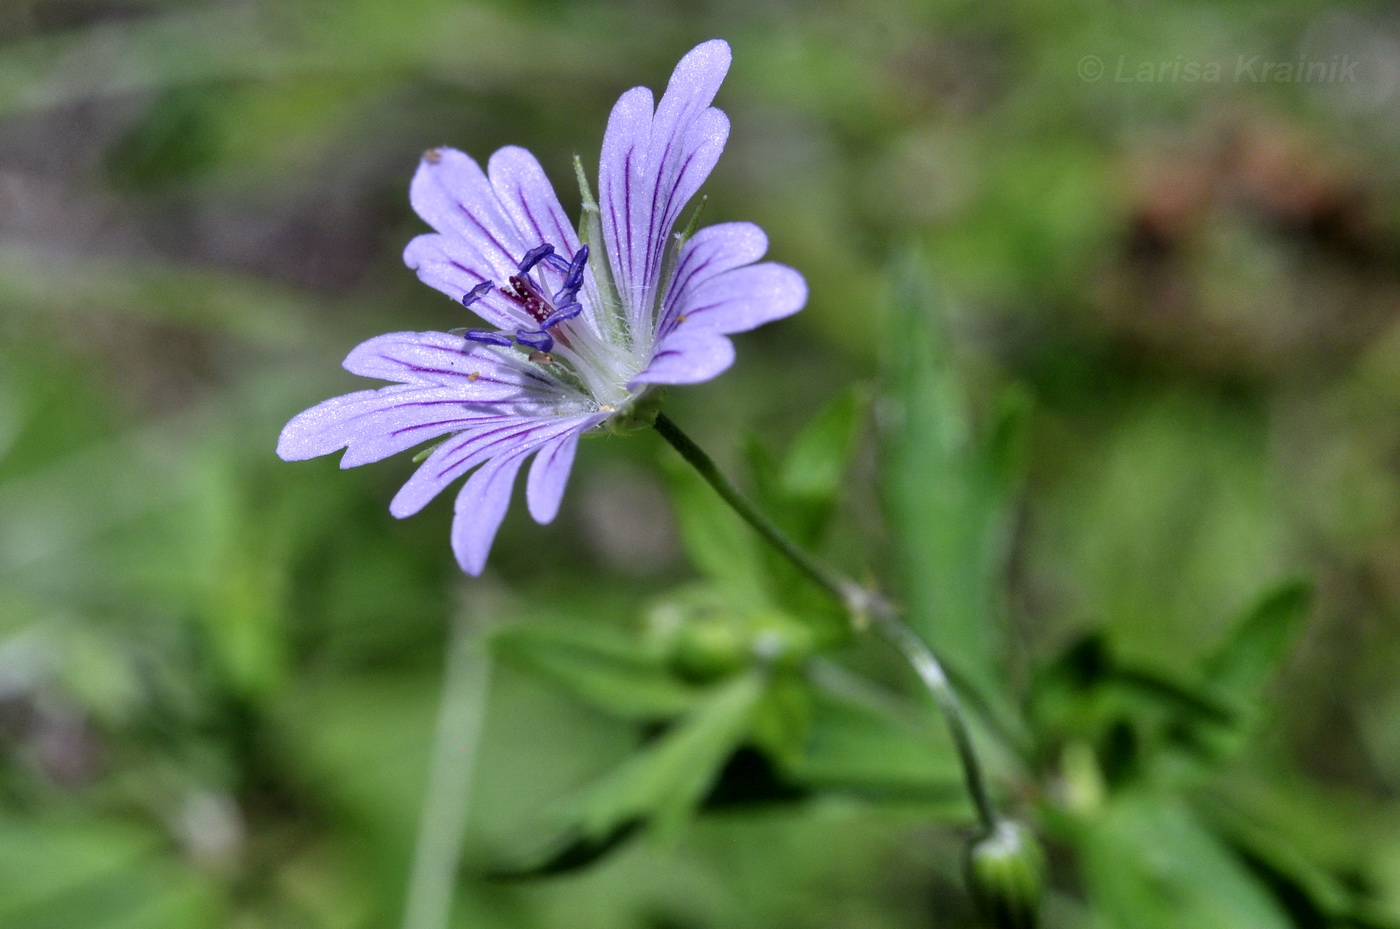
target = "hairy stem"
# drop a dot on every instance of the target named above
(865, 606)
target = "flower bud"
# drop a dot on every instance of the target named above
(1006, 871)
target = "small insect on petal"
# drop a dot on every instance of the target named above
(543, 358)
(474, 375)
(432, 156)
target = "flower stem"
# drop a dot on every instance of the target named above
(823, 577)
(930, 671)
(865, 607)
(461, 710)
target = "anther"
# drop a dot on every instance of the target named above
(573, 280)
(534, 256)
(561, 315)
(477, 292)
(557, 262)
(539, 340)
(489, 338)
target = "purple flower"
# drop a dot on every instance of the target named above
(580, 329)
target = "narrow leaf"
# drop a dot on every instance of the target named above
(1149, 863)
(600, 665)
(946, 489)
(814, 469)
(718, 542)
(668, 778)
(1259, 644)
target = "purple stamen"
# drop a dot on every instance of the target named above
(574, 279)
(477, 292)
(525, 292)
(540, 341)
(576, 267)
(534, 256)
(561, 315)
(490, 338)
(558, 262)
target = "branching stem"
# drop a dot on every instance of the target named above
(866, 607)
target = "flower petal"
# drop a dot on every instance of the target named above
(375, 424)
(529, 199)
(371, 424)
(478, 238)
(740, 300)
(482, 440)
(712, 250)
(452, 194)
(484, 499)
(621, 170)
(549, 475)
(441, 358)
(652, 164)
(481, 505)
(458, 455)
(455, 267)
(680, 177)
(688, 358)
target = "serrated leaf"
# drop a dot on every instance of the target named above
(1128, 713)
(601, 666)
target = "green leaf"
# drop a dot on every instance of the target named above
(1130, 714)
(1149, 863)
(1259, 644)
(666, 779)
(782, 718)
(813, 471)
(570, 853)
(946, 488)
(863, 741)
(720, 544)
(101, 873)
(1322, 855)
(599, 664)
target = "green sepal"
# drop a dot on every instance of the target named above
(640, 414)
(1006, 873)
(610, 314)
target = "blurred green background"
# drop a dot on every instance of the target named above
(219, 673)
